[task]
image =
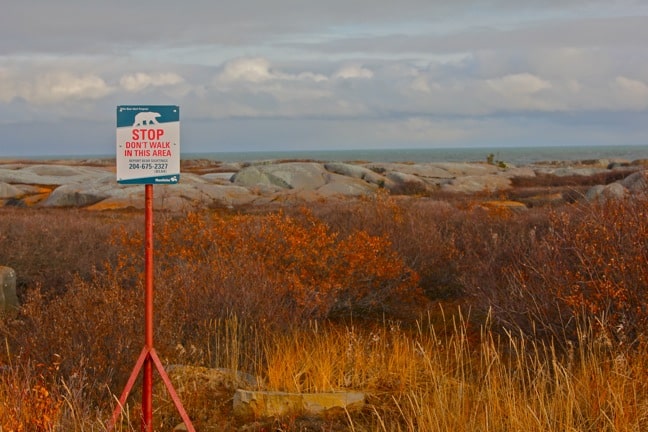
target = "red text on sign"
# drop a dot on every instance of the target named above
(151, 134)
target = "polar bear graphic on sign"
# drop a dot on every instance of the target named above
(147, 117)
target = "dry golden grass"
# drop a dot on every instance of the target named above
(465, 379)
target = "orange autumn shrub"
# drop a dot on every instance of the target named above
(96, 325)
(280, 268)
(603, 263)
(49, 247)
(421, 231)
(27, 403)
(270, 270)
(587, 264)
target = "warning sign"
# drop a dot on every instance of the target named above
(148, 144)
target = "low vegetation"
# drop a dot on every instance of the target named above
(450, 315)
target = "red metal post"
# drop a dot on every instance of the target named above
(147, 391)
(148, 358)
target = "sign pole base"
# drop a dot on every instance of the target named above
(149, 354)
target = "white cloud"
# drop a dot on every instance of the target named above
(247, 69)
(353, 71)
(7, 85)
(631, 94)
(257, 70)
(139, 81)
(420, 84)
(422, 130)
(523, 84)
(55, 87)
(64, 86)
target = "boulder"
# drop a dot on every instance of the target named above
(293, 175)
(475, 184)
(122, 197)
(400, 182)
(52, 174)
(9, 191)
(401, 178)
(636, 183)
(75, 195)
(226, 196)
(356, 171)
(342, 186)
(570, 171)
(468, 169)
(219, 177)
(519, 172)
(8, 297)
(260, 404)
(426, 171)
(606, 192)
(253, 176)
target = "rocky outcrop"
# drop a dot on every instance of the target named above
(426, 171)
(51, 174)
(473, 184)
(76, 195)
(570, 171)
(210, 184)
(632, 185)
(355, 171)
(636, 183)
(9, 191)
(306, 176)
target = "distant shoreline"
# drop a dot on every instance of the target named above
(511, 155)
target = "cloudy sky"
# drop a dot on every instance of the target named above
(336, 74)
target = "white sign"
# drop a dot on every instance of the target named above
(148, 144)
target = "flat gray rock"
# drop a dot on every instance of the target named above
(52, 174)
(401, 178)
(227, 196)
(9, 191)
(74, 195)
(468, 169)
(356, 171)
(294, 175)
(519, 172)
(342, 186)
(570, 171)
(218, 177)
(636, 182)
(474, 184)
(424, 170)
(257, 403)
